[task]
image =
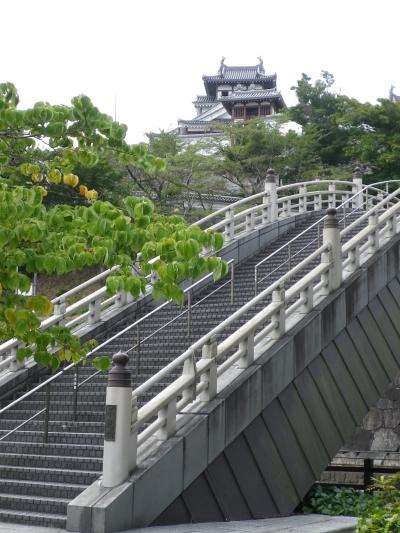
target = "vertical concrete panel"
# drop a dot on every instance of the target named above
(356, 294)
(242, 402)
(307, 340)
(271, 466)
(332, 397)
(368, 355)
(386, 327)
(251, 483)
(377, 275)
(285, 441)
(333, 317)
(378, 342)
(318, 412)
(227, 490)
(345, 383)
(306, 432)
(357, 368)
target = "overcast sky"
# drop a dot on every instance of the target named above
(152, 54)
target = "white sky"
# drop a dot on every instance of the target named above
(152, 53)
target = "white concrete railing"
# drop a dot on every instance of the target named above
(222, 361)
(235, 220)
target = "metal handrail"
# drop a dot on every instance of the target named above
(77, 385)
(318, 224)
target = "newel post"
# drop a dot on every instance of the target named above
(120, 441)
(271, 194)
(331, 236)
(358, 201)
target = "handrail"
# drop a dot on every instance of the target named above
(255, 196)
(272, 319)
(257, 216)
(317, 223)
(105, 343)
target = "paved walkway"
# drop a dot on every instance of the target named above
(293, 524)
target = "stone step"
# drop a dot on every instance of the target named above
(33, 519)
(36, 448)
(57, 475)
(37, 504)
(52, 461)
(41, 488)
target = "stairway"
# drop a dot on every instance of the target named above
(38, 480)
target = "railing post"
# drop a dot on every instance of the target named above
(189, 369)
(168, 415)
(248, 345)
(373, 237)
(47, 415)
(94, 311)
(209, 351)
(15, 365)
(122, 299)
(331, 236)
(358, 201)
(270, 190)
(59, 310)
(119, 454)
(303, 199)
(265, 209)
(249, 222)
(278, 318)
(332, 195)
(229, 231)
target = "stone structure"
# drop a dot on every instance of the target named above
(234, 93)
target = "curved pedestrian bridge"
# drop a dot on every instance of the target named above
(240, 399)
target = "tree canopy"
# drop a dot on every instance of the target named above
(42, 147)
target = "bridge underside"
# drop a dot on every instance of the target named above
(256, 449)
(271, 465)
(317, 384)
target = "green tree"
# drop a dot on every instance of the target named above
(246, 151)
(188, 169)
(63, 238)
(46, 144)
(373, 136)
(317, 111)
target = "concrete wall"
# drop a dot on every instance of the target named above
(256, 449)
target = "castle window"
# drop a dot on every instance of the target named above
(224, 93)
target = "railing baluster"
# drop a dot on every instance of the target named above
(189, 313)
(47, 415)
(76, 389)
(232, 283)
(138, 355)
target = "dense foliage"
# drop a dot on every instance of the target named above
(41, 150)
(378, 509)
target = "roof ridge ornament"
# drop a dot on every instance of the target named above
(222, 66)
(260, 66)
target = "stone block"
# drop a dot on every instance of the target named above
(113, 512)
(333, 316)
(356, 288)
(79, 510)
(242, 402)
(157, 482)
(393, 260)
(377, 274)
(278, 365)
(195, 448)
(307, 340)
